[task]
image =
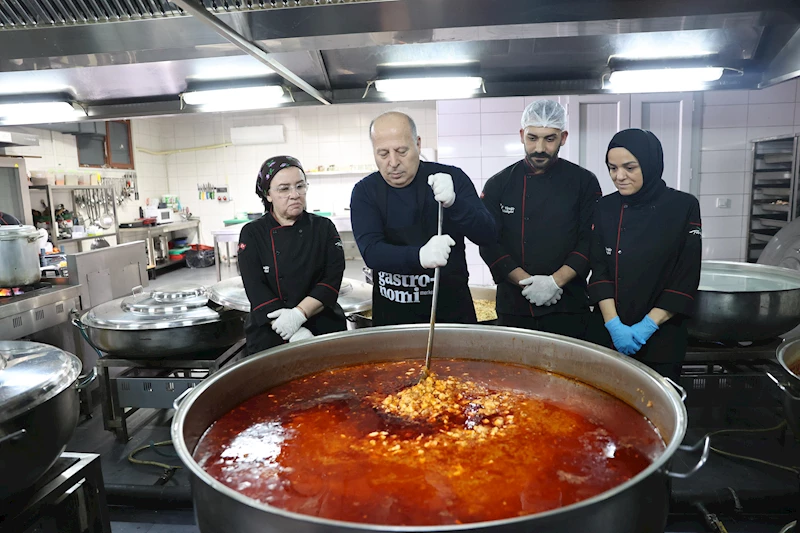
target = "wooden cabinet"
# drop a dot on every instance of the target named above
(105, 144)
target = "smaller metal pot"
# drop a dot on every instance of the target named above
(38, 410)
(789, 357)
(19, 256)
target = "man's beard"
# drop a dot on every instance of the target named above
(550, 159)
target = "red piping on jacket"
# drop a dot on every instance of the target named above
(678, 292)
(601, 281)
(275, 260)
(500, 259)
(616, 253)
(580, 254)
(331, 288)
(265, 303)
(522, 238)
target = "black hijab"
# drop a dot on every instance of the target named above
(646, 148)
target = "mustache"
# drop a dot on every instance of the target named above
(539, 155)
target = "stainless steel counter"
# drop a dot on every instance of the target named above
(38, 310)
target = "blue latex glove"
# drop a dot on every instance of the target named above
(644, 329)
(622, 336)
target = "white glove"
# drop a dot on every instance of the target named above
(286, 322)
(442, 185)
(301, 335)
(436, 251)
(541, 290)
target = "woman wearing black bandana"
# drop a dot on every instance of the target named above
(645, 256)
(291, 261)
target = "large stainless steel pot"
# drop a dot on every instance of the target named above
(163, 323)
(637, 506)
(19, 256)
(355, 297)
(38, 410)
(789, 357)
(745, 302)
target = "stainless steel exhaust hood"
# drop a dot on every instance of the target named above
(15, 138)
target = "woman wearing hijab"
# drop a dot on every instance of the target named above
(645, 257)
(291, 261)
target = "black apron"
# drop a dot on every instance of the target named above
(407, 298)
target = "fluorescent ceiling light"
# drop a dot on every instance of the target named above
(18, 113)
(242, 97)
(435, 88)
(663, 80)
(429, 63)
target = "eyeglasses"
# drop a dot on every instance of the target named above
(285, 190)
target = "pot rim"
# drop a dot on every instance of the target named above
(185, 455)
(778, 271)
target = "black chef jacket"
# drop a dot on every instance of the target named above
(645, 256)
(281, 265)
(545, 222)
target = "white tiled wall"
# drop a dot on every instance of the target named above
(316, 135)
(482, 138)
(731, 119)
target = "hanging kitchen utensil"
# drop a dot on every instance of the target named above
(107, 220)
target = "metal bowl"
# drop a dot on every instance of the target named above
(745, 302)
(637, 506)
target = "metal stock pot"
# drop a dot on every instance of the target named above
(637, 506)
(19, 256)
(38, 410)
(745, 302)
(167, 322)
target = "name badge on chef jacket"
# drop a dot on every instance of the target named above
(405, 288)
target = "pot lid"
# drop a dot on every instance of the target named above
(783, 250)
(17, 232)
(171, 307)
(354, 296)
(31, 373)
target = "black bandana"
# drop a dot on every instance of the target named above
(646, 148)
(271, 167)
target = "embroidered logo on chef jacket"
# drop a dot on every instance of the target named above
(608, 251)
(695, 231)
(507, 209)
(266, 269)
(404, 288)
(242, 246)
(339, 243)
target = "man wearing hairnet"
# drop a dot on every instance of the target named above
(543, 206)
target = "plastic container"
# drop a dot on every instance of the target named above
(179, 257)
(200, 256)
(179, 251)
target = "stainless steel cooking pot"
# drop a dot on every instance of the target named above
(19, 256)
(745, 302)
(355, 297)
(38, 410)
(162, 323)
(637, 506)
(789, 357)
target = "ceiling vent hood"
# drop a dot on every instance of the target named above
(15, 138)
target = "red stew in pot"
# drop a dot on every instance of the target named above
(480, 441)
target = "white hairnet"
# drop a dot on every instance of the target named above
(545, 114)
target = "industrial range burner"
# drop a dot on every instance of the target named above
(34, 308)
(69, 498)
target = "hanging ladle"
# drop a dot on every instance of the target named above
(436, 278)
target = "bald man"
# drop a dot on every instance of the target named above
(395, 213)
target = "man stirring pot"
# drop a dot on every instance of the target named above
(395, 212)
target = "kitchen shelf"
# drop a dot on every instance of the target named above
(108, 195)
(67, 187)
(775, 178)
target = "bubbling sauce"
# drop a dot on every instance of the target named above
(362, 444)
